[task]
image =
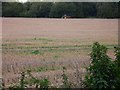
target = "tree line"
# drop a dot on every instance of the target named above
(58, 9)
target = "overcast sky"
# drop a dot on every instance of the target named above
(61, 0)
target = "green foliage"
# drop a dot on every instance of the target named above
(35, 52)
(61, 8)
(102, 71)
(44, 83)
(42, 69)
(89, 9)
(56, 56)
(22, 82)
(40, 9)
(117, 54)
(12, 9)
(28, 80)
(66, 83)
(58, 9)
(107, 10)
(117, 63)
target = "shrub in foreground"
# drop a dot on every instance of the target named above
(103, 72)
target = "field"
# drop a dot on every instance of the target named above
(46, 45)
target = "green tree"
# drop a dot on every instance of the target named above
(12, 9)
(44, 9)
(79, 10)
(60, 8)
(41, 9)
(89, 9)
(26, 10)
(107, 10)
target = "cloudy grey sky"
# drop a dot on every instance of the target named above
(61, 0)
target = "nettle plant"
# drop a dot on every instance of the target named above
(103, 71)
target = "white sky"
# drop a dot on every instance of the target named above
(73, 0)
(62, 0)
(22, 0)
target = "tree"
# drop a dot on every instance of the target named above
(89, 9)
(41, 9)
(107, 10)
(44, 9)
(0, 9)
(60, 8)
(12, 9)
(26, 10)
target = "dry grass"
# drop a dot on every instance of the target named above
(58, 43)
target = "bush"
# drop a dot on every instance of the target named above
(117, 63)
(102, 71)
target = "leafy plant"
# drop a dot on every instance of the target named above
(102, 71)
(35, 52)
(42, 69)
(117, 63)
(66, 83)
(56, 56)
(28, 80)
(39, 83)
(44, 83)
(22, 82)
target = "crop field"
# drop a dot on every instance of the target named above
(45, 46)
